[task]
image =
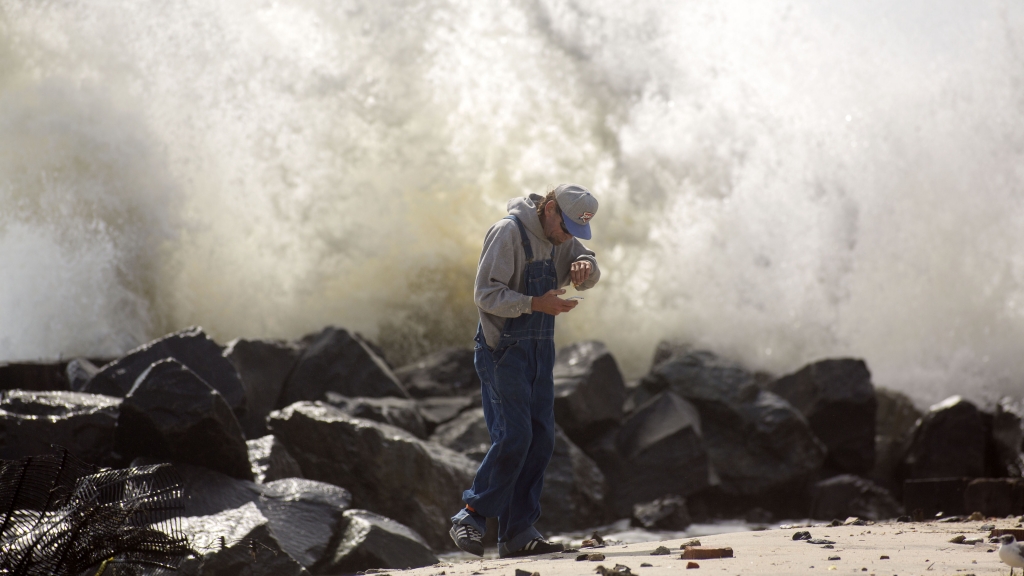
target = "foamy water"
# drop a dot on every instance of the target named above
(779, 181)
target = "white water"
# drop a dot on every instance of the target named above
(780, 181)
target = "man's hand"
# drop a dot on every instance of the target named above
(579, 271)
(550, 303)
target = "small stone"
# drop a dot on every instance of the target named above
(985, 527)
(883, 557)
(829, 546)
(854, 521)
(646, 565)
(595, 557)
(597, 538)
(523, 573)
(835, 523)
(833, 567)
(705, 553)
(804, 535)
(661, 551)
(958, 539)
(588, 543)
(690, 542)
(582, 557)
(692, 565)
(820, 541)
(976, 517)
(570, 550)
(832, 558)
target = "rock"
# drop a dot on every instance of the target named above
(466, 434)
(894, 425)
(237, 541)
(270, 460)
(79, 371)
(949, 441)
(705, 553)
(172, 413)
(263, 367)
(659, 450)
(33, 376)
(669, 348)
(336, 361)
(666, 513)
(448, 372)
(757, 442)
(191, 347)
(437, 411)
(589, 391)
(388, 470)
(995, 497)
(927, 497)
(847, 495)
(401, 412)
(1007, 439)
(83, 423)
(837, 398)
(373, 541)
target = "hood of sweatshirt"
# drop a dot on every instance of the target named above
(525, 209)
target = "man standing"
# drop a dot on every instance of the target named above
(527, 257)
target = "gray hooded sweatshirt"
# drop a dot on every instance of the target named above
(500, 293)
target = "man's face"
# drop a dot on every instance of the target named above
(554, 228)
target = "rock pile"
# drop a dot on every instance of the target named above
(318, 457)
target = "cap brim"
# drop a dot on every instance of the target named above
(575, 229)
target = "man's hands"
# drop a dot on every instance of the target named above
(579, 271)
(550, 303)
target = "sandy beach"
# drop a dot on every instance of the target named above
(922, 548)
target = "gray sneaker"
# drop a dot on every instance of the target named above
(468, 539)
(532, 548)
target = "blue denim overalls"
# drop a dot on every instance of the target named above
(518, 400)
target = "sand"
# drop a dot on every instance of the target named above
(920, 548)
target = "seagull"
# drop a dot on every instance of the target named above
(1011, 552)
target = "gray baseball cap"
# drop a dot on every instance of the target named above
(578, 206)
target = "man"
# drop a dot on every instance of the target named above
(527, 257)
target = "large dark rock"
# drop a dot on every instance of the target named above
(665, 513)
(1007, 439)
(401, 412)
(263, 367)
(437, 411)
(466, 434)
(33, 376)
(757, 442)
(172, 413)
(848, 495)
(837, 398)
(949, 441)
(193, 348)
(589, 391)
(83, 423)
(998, 497)
(894, 426)
(373, 541)
(270, 460)
(388, 470)
(235, 542)
(337, 361)
(928, 497)
(448, 372)
(659, 450)
(79, 371)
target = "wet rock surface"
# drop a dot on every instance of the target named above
(191, 347)
(466, 434)
(837, 398)
(949, 441)
(83, 423)
(270, 460)
(373, 541)
(448, 372)
(172, 413)
(401, 412)
(575, 491)
(437, 411)
(666, 513)
(895, 419)
(388, 470)
(336, 360)
(263, 367)
(847, 495)
(589, 390)
(79, 371)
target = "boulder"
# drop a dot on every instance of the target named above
(669, 348)
(448, 372)
(373, 541)
(466, 434)
(401, 412)
(948, 441)
(998, 497)
(191, 347)
(236, 541)
(837, 398)
(337, 361)
(658, 450)
(575, 490)
(33, 376)
(388, 470)
(848, 495)
(437, 411)
(83, 423)
(172, 413)
(270, 460)
(757, 442)
(894, 424)
(928, 497)
(589, 391)
(79, 371)
(1007, 440)
(666, 513)
(263, 367)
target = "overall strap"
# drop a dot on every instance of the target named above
(522, 234)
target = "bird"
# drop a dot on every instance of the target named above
(1011, 552)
